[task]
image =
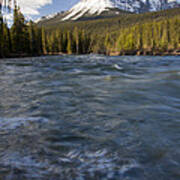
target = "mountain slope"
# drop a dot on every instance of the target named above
(57, 19)
(96, 7)
(90, 7)
(101, 24)
(156, 33)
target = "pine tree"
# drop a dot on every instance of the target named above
(164, 40)
(44, 41)
(64, 42)
(19, 33)
(107, 43)
(1, 35)
(84, 43)
(38, 40)
(77, 39)
(129, 42)
(32, 39)
(139, 44)
(69, 43)
(6, 41)
(59, 37)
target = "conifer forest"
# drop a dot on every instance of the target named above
(154, 33)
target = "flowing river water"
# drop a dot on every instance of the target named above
(90, 117)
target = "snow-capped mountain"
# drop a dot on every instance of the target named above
(50, 16)
(96, 7)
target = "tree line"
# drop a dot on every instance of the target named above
(27, 39)
(157, 36)
(153, 37)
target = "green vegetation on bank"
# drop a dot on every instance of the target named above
(150, 33)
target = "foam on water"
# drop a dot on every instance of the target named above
(79, 165)
(13, 123)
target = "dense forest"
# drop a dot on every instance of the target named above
(21, 39)
(155, 33)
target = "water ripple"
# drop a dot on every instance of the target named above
(90, 117)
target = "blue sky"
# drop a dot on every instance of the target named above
(37, 8)
(55, 6)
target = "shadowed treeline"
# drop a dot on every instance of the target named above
(21, 39)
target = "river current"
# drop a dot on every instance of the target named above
(90, 117)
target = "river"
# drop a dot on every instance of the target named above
(90, 117)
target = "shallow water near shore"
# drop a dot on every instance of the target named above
(90, 117)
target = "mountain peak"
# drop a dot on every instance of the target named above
(88, 6)
(96, 7)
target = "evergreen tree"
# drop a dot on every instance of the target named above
(107, 43)
(64, 42)
(1, 35)
(6, 44)
(32, 39)
(77, 39)
(44, 41)
(19, 33)
(164, 39)
(69, 43)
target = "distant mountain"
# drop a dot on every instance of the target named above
(94, 9)
(61, 17)
(45, 17)
(48, 17)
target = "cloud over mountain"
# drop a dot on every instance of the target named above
(30, 7)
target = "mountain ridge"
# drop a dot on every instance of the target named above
(97, 8)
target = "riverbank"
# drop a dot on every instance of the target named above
(145, 53)
(127, 53)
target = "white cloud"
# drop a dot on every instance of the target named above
(30, 7)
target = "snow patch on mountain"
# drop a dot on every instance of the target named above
(93, 7)
(97, 7)
(50, 16)
(88, 6)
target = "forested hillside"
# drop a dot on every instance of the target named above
(151, 33)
